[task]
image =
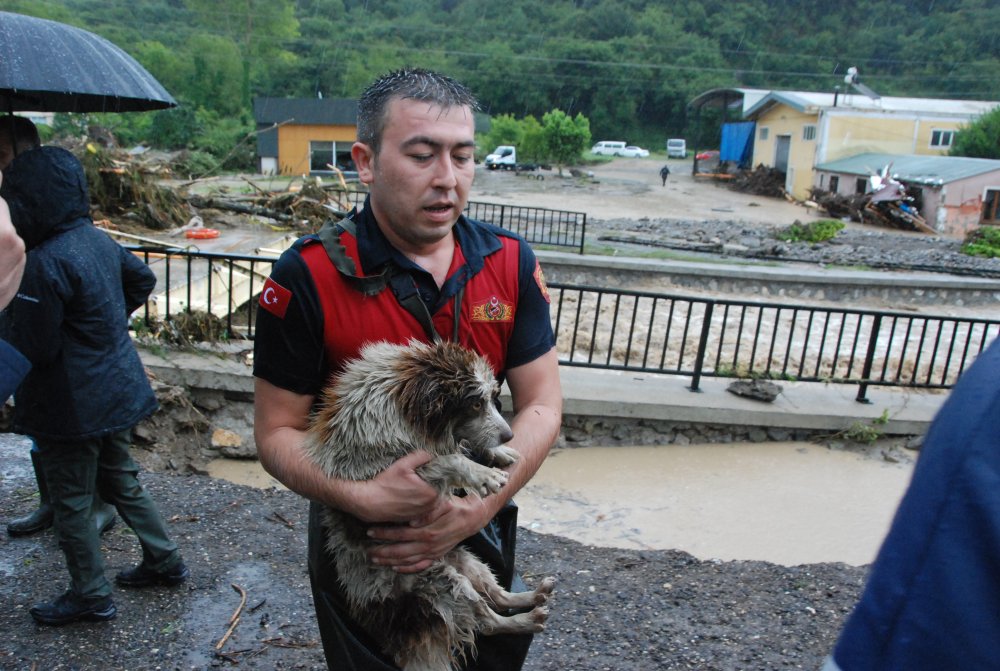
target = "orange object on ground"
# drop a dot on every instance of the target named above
(202, 233)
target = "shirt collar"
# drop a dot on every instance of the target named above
(375, 251)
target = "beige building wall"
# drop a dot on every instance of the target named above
(848, 134)
(782, 121)
(293, 144)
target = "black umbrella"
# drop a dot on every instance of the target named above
(47, 66)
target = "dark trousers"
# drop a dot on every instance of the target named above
(75, 472)
(349, 648)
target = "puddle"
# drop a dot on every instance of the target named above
(785, 503)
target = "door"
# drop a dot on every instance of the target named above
(782, 145)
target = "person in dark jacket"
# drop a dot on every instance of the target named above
(87, 387)
(17, 136)
(932, 599)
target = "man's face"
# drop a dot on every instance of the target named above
(420, 179)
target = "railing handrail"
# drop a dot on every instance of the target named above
(652, 332)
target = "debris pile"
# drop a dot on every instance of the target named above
(761, 181)
(137, 190)
(887, 203)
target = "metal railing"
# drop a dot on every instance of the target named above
(654, 332)
(696, 337)
(537, 225)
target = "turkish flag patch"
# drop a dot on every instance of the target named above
(275, 298)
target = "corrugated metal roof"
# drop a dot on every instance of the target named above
(306, 111)
(914, 168)
(804, 101)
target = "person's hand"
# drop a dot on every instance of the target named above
(396, 495)
(11, 256)
(413, 547)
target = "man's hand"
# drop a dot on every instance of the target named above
(397, 494)
(413, 547)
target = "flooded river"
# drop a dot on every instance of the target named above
(785, 503)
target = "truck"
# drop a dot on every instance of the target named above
(504, 157)
(676, 148)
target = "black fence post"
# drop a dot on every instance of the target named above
(866, 370)
(699, 360)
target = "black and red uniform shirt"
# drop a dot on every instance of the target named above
(311, 318)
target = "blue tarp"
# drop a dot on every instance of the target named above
(737, 143)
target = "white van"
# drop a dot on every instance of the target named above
(606, 148)
(676, 148)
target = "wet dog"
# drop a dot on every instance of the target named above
(394, 400)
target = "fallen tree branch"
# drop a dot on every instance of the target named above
(235, 619)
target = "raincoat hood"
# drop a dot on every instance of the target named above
(46, 190)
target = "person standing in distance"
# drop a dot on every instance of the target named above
(415, 152)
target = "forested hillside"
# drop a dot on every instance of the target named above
(630, 66)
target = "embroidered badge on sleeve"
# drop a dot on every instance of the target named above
(275, 298)
(540, 280)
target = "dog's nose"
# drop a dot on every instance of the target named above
(506, 435)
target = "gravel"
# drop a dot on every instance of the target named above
(614, 609)
(855, 246)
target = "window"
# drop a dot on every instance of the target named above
(834, 183)
(991, 207)
(324, 154)
(861, 185)
(764, 133)
(320, 156)
(809, 132)
(942, 139)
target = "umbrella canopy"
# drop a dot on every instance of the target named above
(47, 66)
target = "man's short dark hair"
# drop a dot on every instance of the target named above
(413, 83)
(20, 132)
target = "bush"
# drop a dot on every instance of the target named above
(820, 230)
(983, 241)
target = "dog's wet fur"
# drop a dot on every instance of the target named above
(394, 400)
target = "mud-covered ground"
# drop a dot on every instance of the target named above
(614, 609)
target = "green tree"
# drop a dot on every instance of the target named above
(532, 145)
(260, 28)
(979, 139)
(563, 137)
(504, 129)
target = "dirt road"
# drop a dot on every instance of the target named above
(630, 188)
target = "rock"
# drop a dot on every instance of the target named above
(759, 390)
(224, 438)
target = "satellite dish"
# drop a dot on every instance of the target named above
(853, 79)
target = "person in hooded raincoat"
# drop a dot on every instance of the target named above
(17, 136)
(87, 388)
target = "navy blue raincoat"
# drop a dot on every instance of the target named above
(70, 316)
(932, 601)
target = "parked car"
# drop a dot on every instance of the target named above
(608, 148)
(710, 155)
(634, 152)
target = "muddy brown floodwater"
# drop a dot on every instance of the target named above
(784, 503)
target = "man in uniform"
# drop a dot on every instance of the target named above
(409, 265)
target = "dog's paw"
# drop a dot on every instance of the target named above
(544, 591)
(503, 455)
(492, 481)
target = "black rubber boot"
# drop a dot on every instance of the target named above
(40, 519)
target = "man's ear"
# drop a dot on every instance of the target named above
(364, 161)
